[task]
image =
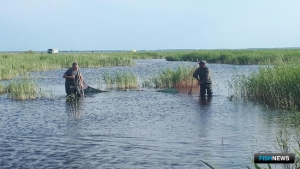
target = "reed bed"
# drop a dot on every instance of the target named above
(241, 57)
(109, 80)
(121, 80)
(17, 63)
(179, 77)
(276, 86)
(22, 89)
(126, 80)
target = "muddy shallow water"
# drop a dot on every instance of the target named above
(135, 129)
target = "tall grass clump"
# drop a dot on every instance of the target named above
(276, 86)
(125, 80)
(22, 89)
(180, 77)
(120, 80)
(2, 88)
(108, 80)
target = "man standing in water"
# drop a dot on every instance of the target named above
(203, 77)
(74, 81)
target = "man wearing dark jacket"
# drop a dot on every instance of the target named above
(203, 77)
(74, 81)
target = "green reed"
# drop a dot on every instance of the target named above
(242, 57)
(276, 86)
(16, 63)
(125, 80)
(2, 88)
(121, 80)
(22, 89)
(181, 77)
(109, 80)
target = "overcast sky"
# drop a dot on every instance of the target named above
(148, 24)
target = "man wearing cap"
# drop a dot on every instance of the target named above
(203, 76)
(74, 81)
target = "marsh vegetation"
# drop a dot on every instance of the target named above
(121, 80)
(14, 64)
(240, 57)
(179, 77)
(276, 86)
(154, 113)
(22, 89)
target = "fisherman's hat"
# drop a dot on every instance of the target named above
(202, 62)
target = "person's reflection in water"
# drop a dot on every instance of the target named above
(205, 100)
(74, 108)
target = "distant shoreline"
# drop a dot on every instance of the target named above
(157, 50)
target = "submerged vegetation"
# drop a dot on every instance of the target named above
(276, 86)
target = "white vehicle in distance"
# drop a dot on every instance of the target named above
(52, 51)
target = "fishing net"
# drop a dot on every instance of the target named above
(89, 89)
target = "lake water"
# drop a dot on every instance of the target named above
(135, 129)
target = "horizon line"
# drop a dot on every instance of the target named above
(145, 50)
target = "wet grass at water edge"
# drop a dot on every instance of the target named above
(179, 77)
(276, 86)
(121, 80)
(22, 89)
(182, 76)
(26, 87)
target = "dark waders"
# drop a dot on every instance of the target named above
(72, 88)
(205, 87)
